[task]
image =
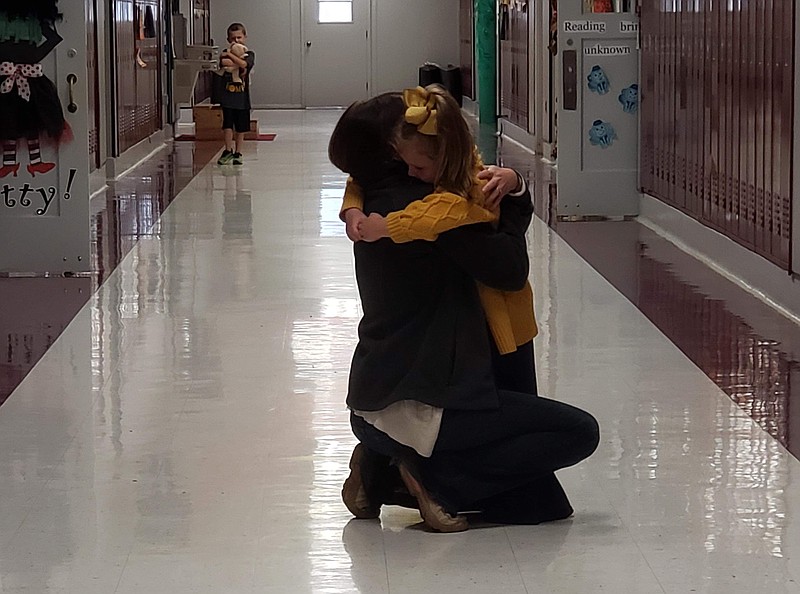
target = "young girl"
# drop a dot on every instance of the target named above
(435, 142)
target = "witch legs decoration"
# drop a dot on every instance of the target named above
(17, 81)
(30, 107)
(36, 165)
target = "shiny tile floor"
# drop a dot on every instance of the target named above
(36, 310)
(186, 432)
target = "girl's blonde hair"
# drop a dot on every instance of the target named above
(452, 148)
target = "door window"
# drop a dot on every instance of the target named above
(335, 11)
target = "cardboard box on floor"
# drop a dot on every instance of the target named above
(208, 123)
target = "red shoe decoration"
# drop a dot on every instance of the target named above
(35, 168)
(6, 169)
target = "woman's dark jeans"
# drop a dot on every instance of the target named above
(501, 460)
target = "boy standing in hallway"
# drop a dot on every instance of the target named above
(235, 96)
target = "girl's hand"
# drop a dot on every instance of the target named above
(501, 181)
(352, 218)
(373, 228)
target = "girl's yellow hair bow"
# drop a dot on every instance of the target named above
(421, 110)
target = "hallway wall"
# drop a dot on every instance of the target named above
(401, 40)
(406, 34)
(273, 33)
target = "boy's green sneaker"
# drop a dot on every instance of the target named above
(225, 158)
(236, 158)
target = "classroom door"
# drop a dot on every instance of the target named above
(336, 52)
(44, 182)
(598, 104)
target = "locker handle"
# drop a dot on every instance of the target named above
(570, 79)
(71, 80)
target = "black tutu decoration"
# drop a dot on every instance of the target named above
(40, 116)
(30, 107)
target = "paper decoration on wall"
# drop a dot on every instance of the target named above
(629, 98)
(144, 22)
(602, 134)
(145, 28)
(30, 108)
(600, 6)
(598, 81)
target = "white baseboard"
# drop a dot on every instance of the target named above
(522, 137)
(118, 166)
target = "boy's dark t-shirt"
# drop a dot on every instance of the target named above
(238, 96)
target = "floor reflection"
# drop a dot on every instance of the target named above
(130, 207)
(750, 351)
(36, 310)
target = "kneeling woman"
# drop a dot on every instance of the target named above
(421, 390)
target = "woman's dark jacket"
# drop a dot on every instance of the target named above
(423, 335)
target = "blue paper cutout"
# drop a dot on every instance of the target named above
(602, 134)
(629, 97)
(598, 81)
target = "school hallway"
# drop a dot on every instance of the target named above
(180, 426)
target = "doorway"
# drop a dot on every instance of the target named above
(336, 52)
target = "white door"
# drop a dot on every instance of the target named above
(336, 52)
(598, 124)
(44, 209)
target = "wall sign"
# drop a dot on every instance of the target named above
(607, 50)
(584, 27)
(39, 198)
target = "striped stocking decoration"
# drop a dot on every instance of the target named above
(10, 164)
(35, 152)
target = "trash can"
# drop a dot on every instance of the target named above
(429, 73)
(451, 80)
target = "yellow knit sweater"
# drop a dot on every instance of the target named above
(510, 314)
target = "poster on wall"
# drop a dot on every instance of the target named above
(44, 202)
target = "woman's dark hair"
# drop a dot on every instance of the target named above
(361, 143)
(44, 10)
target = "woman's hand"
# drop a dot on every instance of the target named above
(352, 218)
(501, 181)
(373, 228)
